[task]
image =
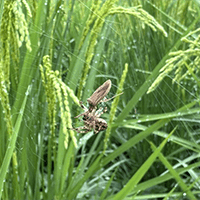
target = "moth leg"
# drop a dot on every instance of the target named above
(80, 129)
(102, 111)
(84, 108)
(99, 128)
(80, 115)
(96, 131)
(93, 123)
(77, 129)
(86, 131)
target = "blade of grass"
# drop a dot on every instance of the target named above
(97, 164)
(105, 191)
(141, 172)
(29, 58)
(162, 178)
(177, 113)
(11, 144)
(182, 142)
(95, 64)
(142, 90)
(1, 9)
(174, 173)
(90, 171)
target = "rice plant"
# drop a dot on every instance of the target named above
(54, 54)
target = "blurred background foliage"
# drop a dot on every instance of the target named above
(55, 53)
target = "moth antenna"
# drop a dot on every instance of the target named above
(112, 97)
(79, 115)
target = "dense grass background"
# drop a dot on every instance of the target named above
(55, 53)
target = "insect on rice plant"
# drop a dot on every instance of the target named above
(91, 116)
(99, 94)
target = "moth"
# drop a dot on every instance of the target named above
(92, 120)
(91, 115)
(99, 94)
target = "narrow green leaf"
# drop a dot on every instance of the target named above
(141, 172)
(11, 144)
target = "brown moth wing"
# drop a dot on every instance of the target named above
(100, 93)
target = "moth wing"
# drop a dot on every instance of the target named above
(100, 93)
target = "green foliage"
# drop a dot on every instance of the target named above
(180, 60)
(114, 106)
(55, 54)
